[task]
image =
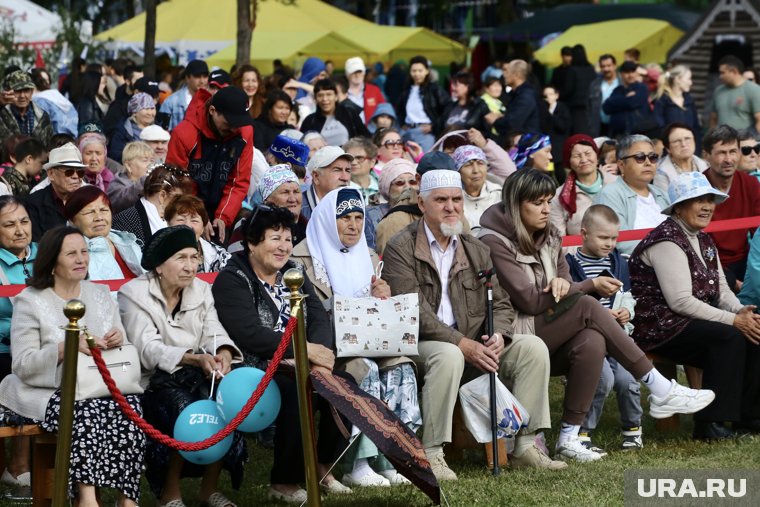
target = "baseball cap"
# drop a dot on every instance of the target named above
(629, 67)
(196, 68)
(327, 156)
(18, 80)
(145, 85)
(154, 133)
(354, 64)
(219, 78)
(232, 103)
(435, 160)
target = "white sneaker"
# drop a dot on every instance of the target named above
(24, 479)
(368, 479)
(574, 450)
(395, 478)
(679, 400)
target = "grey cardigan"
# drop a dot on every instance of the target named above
(36, 331)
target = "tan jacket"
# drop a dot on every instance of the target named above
(162, 339)
(525, 276)
(409, 267)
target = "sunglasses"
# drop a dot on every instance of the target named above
(402, 183)
(746, 150)
(390, 143)
(640, 158)
(69, 172)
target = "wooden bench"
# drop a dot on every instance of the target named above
(669, 369)
(43, 460)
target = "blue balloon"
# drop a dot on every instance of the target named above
(234, 391)
(198, 421)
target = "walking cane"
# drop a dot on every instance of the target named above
(487, 274)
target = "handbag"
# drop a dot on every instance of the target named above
(373, 327)
(122, 362)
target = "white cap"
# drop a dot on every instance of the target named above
(355, 64)
(327, 156)
(440, 178)
(154, 133)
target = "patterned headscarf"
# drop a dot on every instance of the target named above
(276, 176)
(140, 101)
(528, 145)
(468, 153)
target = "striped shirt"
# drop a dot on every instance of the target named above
(593, 267)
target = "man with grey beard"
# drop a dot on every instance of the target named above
(432, 258)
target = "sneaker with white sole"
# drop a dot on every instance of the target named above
(632, 439)
(679, 400)
(574, 450)
(588, 444)
(395, 478)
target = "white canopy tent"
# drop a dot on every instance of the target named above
(33, 25)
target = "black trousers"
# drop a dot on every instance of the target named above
(731, 367)
(288, 451)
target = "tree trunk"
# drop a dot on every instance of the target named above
(149, 62)
(246, 20)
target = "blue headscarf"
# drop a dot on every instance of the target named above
(528, 145)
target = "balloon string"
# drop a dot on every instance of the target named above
(232, 425)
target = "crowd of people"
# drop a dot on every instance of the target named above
(113, 175)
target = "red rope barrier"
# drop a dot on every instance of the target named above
(232, 425)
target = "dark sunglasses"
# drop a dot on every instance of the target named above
(388, 144)
(640, 158)
(69, 172)
(746, 150)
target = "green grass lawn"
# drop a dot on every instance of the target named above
(599, 483)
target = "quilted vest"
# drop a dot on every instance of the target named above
(655, 323)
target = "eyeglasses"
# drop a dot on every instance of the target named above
(402, 183)
(359, 159)
(640, 158)
(390, 143)
(69, 172)
(746, 150)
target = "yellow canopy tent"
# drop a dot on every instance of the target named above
(200, 28)
(652, 37)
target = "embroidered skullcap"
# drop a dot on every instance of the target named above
(349, 200)
(440, 178)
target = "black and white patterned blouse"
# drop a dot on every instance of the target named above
(280, 294)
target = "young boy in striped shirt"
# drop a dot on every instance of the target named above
(599, 229)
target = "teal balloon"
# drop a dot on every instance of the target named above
(235, 390)
(198, 421)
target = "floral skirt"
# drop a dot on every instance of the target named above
(107, 449)
(397, 387)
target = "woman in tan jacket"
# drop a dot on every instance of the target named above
(579, 332)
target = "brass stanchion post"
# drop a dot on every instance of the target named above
(74, 311)
(294, 280)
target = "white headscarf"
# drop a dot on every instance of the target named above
(348, 271)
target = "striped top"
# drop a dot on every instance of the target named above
(593, 267)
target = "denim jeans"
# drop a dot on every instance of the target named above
(627, 390)
(418, 136)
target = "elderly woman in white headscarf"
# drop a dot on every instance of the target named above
(338, 261)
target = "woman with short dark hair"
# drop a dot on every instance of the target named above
(421, 105)
(254, 307)
(272, 120)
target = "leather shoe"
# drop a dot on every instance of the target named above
(711, 431)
